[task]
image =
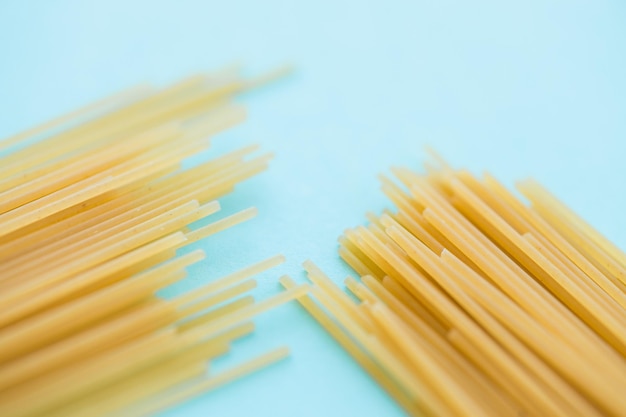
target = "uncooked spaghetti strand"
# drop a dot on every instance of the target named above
(152, 381)
(107, 400)
(593, 290)
(369, 364)
(60, 237)
(220, 225)
(103, 125)
(165, 193)
(91, 203)
(569, 328)
(450, 358)
(321, 280)
(514, 392)
(556, 257)
(216, 313)
(74, 195)
(239, 316)
(407, 299)
(166, 401)
(526, 383)
(458, 399)
(124, 397)
(609, 248)
(110, 273)
(50, 166)
(381, 263)
(144, 233)
(517, 308)
(427, 234)
(518, 284)
(56, 254)
(371, 300)
(579, 299)
(555, 354)
(52, 268)
(421, 319)
(42, 329)
(82, 166)
(232, 279)
(548, 235)
(49, 294)
(92, 217)
(613, 315)
(156, 379)
(463, 237)
(115, 177)
(126, 96)
(220, 297)
(419, 393)
(397, 363)
(401, 199)
(611, 268)
(143, 352)
(122, 327)
(350, 254)
(400, 278)
(104, 128)
(437, 269)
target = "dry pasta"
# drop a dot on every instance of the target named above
(93, 208)
(473, 303)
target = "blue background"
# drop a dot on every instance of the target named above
(535, 88)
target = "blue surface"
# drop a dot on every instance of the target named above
(537, 89)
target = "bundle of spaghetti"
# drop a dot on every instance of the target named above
(94, 207)
(472, 302)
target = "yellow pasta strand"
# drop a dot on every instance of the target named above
(472, 302)
(94, 206)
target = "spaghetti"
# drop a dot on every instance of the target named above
(93, 208)
(473, 303)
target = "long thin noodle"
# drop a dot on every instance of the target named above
(474, 303)
(93, 208)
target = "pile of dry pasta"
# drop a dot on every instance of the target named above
(472, 303)
(93, 208)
